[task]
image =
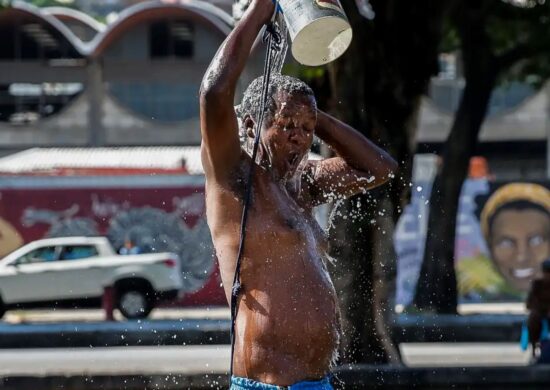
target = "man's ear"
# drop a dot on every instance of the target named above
(249, 124)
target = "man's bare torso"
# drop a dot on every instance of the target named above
(287, 328)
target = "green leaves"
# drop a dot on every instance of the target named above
(52, 3)
(4, 4)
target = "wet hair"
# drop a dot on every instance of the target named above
(517, 205)
(278, 83)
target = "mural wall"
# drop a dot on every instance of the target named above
(157, 218)
(503, 234)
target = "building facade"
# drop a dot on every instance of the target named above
(67, 80)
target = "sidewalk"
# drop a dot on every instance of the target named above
(214, 359)
(98, 315)
(217, 313)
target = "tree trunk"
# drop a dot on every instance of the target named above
(376, 87)
(437, 288)
(363, 340)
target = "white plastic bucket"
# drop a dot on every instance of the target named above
(319, 30)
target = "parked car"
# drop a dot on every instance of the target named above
(73, 272)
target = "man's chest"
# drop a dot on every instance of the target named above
(275, 218)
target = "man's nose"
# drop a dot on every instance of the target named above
(295, 135)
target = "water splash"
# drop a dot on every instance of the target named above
(280, 55)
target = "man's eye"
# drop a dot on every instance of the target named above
(536, 240)
(505, 243)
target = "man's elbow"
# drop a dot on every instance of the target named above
(212, 95)
(392, 166)
(388, 170)
(213, 92)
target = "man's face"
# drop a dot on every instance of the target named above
(288, 137)
(519, 244)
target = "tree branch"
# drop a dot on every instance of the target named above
(512, 12)
(521, 51)
(512, 56)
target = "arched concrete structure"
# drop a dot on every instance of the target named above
(95, 118)
(82, 25)
(142, 13)
(19, 12)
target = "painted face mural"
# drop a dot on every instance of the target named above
(516, 224)
(502, 237)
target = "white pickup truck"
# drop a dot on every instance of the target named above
(73, 272)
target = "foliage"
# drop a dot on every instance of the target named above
(52, 3)
(518, 35)
(450, 41)
(520, 39)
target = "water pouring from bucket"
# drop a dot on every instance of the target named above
(319, 30)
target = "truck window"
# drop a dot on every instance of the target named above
(39, 255)
(75, 252)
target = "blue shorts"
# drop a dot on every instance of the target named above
(238, 383)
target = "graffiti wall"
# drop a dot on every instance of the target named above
(503, 234)
(157, 213)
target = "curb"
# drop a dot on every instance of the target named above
(406, 328)
(349, 377)
(115, 334)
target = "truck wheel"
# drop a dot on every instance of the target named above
(134, 303)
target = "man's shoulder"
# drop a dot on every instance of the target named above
(233, 180)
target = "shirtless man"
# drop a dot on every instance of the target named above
(287, 325)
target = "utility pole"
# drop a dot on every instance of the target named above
(96, 93)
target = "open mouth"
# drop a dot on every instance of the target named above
(522, 273)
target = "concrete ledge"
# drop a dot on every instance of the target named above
(351, 377)
(122, 382)
(406, 328)
(409, 328)
(102, 334)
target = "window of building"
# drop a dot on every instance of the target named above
(34, 41)
(171, 39)
(23, 103)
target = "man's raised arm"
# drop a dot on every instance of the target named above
(220, 149)
(360, 164)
